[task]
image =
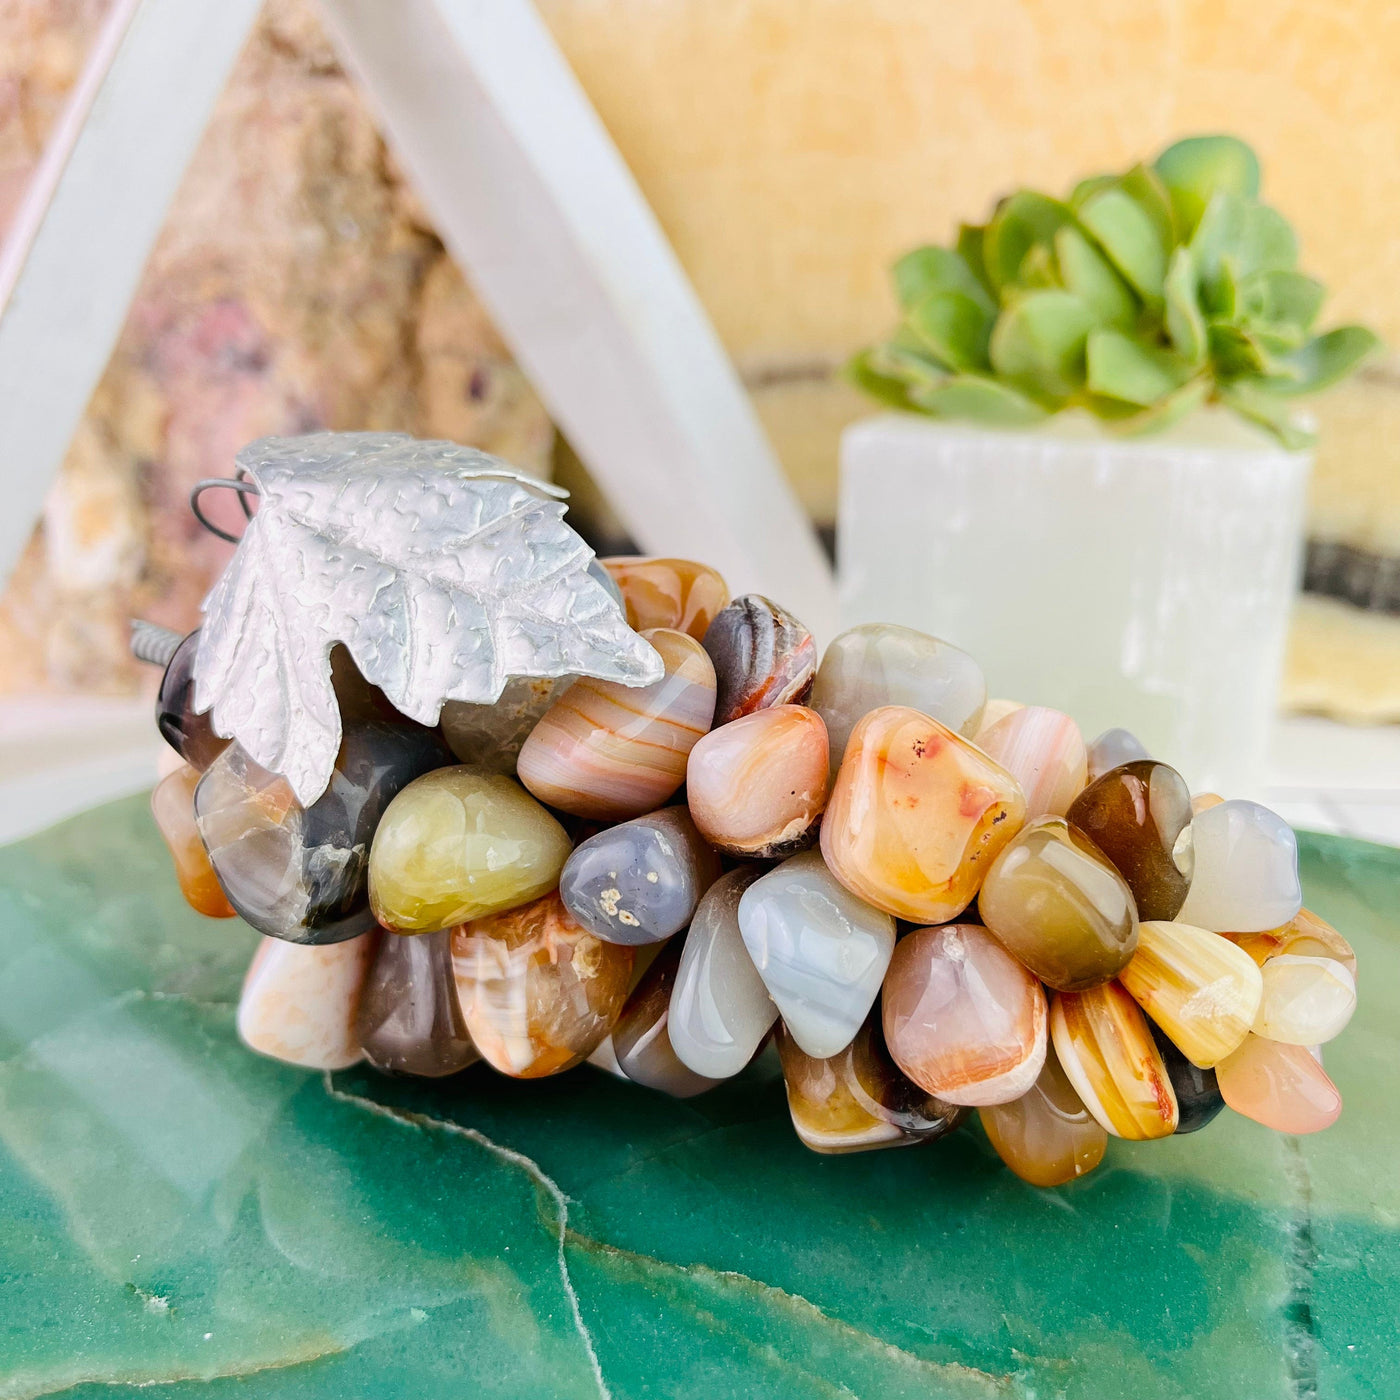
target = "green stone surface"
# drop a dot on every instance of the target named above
(178, 1213)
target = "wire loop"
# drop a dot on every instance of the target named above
(238, 483)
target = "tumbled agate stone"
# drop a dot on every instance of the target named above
(172, 805)
(490, 737)
(1246, 877)
(962, 1017)
(640, 1040)
(1284, 1087)
(300, 1003)
(675, 593)
(409, 1020)
(1047, 1136)
(459, 844)
(1044, 751)
(763, 656)
(1054, 901)
(302, 873)
(1304, 935)
(610, 752)
(993, 712)
(857, 1099)
(1306, 1000)
(821, 951)
(1112, 749)
(917, 816)
(537, 990)
(190, 735)
(1106, 1048)
(1197, 986)
(1198, 1098)
(720, 1009)
(879, 664)
(1137, 814)
(640, 881)
(757, 785)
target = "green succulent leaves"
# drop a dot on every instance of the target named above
(1139, 297)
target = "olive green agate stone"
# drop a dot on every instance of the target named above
(180, 1214)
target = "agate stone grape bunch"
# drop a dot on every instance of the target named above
(930, 901)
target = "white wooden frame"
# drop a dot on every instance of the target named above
(531, 197)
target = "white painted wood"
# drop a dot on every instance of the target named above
(91, 215)
(533, 199)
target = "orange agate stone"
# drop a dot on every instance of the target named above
(1281, 1086)
(172, 805)
(917, 815)
(675, 593)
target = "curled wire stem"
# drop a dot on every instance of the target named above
(239, 484)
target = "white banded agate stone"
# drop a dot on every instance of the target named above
(820, 950)
(1246, 870)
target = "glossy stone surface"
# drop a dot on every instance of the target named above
(1112, 749)
(720, 1009)
(640, 1040)
(302, 873)
(917, 816)
(757, 785)
(146, 1155)
(609, 752)
(1198, 1101)
(878, 664)
(1284, 1087)
(1055, 903)
(962, 1018)
(1106, 1048)
(189, 734)
(538, 991)
(459, 844)
(172, 806)
(763, 657)
(993, 712)
(1044, 751)
(675, 593)
(857, 1099)
(1246, 878)
(640, 881)
(490, 737)
(1306, 1001)
(1047, 1136)
(1136, 815)
(820, 951)
(1198, 987)
(410, 1021)
(1305, 936)
(300, 1003)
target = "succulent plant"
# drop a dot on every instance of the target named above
(1139, 297)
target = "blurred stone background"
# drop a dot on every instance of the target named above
(791, 148)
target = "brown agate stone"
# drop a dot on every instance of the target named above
(675, 593)
(857, 1099)
(1135, 814)
(763, 657)
(410, 1021)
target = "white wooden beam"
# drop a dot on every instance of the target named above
(94, 207)
(533, 199)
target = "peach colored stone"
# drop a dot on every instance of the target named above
(675, 593)
(758, 784)
(300, 1001)
(963, 1019)
(1044, 751)
(917, 816)
(172, 805)
(994, 712)
(1284, 1087)
(611, 752)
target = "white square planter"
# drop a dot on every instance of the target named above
(1142, 582)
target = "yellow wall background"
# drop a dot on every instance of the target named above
(792, 148)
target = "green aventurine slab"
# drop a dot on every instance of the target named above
(178, 1213)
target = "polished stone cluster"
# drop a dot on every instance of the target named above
(929, 901)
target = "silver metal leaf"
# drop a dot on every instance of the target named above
(443, 570)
